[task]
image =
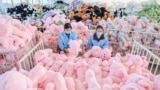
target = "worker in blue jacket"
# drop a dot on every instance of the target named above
(98, 39)
(65, 37)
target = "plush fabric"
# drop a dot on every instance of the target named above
(91, 80)
(70, 83)
(74, 47)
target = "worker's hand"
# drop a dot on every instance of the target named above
(66, 50)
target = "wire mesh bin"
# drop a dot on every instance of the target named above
(27, 62)
(125, 39)
(8, 59)
(154, 61)
(37, 37)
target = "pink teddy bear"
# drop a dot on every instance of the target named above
(75, 47)
(81, 67)
(94, 52)
(106, 54)
(91, 80)
(67, 69)
(118, 72)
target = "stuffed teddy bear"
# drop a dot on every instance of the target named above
(141, 81)
(81, 26)
(10, 39)
(36, 74)
(105, 81)
(106, 87)
(74, 47)
(46, 79)
(94, 61)
(42, 54)
(79, 85)
(94, 52)
(91, 80)
(59, 82)
(48, 21)
(123, 40)
(138, 26)
(61, 57)
(116, 58)
(132, 19)
(70, 82)
(97, 70)
(5, 31)
(132, 86)
(56, 66)
(67, 69)
(48, 62)
(105, 68)
(156, 82)
(118, 72)
(81, 67)
(105, 54)
(134, 61)
(50, 86)
(21, 82)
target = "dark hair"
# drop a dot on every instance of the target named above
(90, 7)
(67, 25)
(94, 16)
(75, 12)
(99, 27)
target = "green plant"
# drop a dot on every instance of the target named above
(151, 11)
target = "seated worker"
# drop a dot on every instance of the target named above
(65, 37)
(98, 39)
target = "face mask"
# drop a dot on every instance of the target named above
(99, 34)
(68, 32)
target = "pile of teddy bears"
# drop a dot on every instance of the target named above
(123, 31)
(15, 41)
(96, 70)
(21, 11)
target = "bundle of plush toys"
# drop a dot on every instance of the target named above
(21, 11)
(123, 31)
(97, 70)
(15, 40)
